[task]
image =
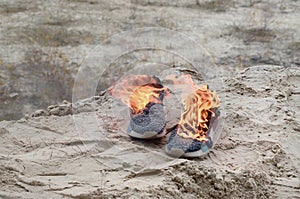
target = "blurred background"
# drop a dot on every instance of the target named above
(44, 42)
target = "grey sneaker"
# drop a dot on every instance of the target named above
(179, 146)
(150, 122)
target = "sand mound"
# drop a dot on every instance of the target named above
(77, 151)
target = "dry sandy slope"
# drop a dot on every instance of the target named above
(256, 157)
(43, 42)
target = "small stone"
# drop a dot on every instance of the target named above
(66, 102)
(26, 116)
(102, 93)
(96, 97)
(289, 118)
(51, 107)
(65, 109)
(54, 111)
(40, 112)
(13, 95)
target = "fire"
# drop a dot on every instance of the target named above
(136, 91)
(200, 106)
(200, 103)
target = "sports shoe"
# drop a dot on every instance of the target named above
(144, 96)
(194, 133)
(149, 122)
(179, 146)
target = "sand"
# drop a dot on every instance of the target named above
(44, 42)
(79, 151)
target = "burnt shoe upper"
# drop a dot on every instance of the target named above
(188, 147)
(151, 121)
(180, 146)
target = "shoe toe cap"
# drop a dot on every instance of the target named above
(179, 146)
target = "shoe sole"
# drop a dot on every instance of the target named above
(185, 147)
(146, 134)
(176, 152)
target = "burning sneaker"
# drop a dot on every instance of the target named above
(192, 136)
(144, 96)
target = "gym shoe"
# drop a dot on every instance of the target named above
(144, 96)
(192, 136)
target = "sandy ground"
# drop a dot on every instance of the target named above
(257, 155)
(79, 150)
(43, 43)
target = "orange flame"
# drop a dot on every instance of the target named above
(199, 104)
(136, 91)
